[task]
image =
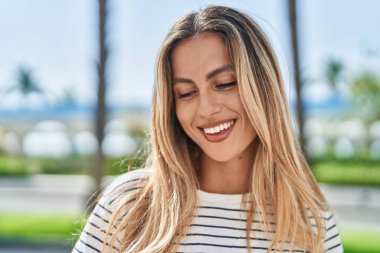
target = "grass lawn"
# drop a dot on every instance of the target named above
(38, 228)
(360, 241)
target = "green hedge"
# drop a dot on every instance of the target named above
(22, 166)
(17, 165)
(356, 171)
(346, 173)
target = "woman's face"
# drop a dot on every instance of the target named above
(208, 104)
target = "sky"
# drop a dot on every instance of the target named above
(58, 41)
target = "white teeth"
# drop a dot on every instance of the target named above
(219, 128)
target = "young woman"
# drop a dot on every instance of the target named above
(226, 173)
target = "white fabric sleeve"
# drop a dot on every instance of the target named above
(332, 242)
(94, 234)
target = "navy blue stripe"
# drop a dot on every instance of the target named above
(232, 246)
(225, 227)
(241, 210)
(131, 189)
(219, 217)
(222, 208)
(100, 240)
(104, 220)
(229, 209)
(100, 217)
(128, 181)
(332, 237)
(102, 230)
(333, 226)
(227, 237)
(93, 236)
(232, 219)
(109, 211)
(104, 208)
(333, 247)
(187, 252)
(89, 246)
(96, 226)
(126, 191)
(329, 218)
(78, 250)
(312, 218)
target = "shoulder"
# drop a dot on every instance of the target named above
(332, 241)
(123, 185)
(95, 232)
(331, 238)
(127, 181)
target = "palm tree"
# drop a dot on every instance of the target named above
(333, 72)
(292, 13)
(101, 64)
(26, 83)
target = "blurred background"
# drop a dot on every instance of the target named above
(76, 81)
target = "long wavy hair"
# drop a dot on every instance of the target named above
(282, 188)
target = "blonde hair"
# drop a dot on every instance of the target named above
(280, 176)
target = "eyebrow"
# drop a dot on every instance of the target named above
(208, 76)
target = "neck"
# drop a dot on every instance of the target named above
(227, 177)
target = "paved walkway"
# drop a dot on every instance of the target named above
(42, 193)
(355, 206)
(15, 247)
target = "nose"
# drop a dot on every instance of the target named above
(209, 105)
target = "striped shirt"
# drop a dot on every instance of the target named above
(218, 226)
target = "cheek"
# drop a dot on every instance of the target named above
(184, 117)
(235, 103)
(238, 107)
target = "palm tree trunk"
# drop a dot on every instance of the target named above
(292, 12)
(101, 112)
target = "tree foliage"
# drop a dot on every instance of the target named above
(333, 72)
(365, 91)
(26, 82)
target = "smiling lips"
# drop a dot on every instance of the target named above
(219, 132)
(218, 128)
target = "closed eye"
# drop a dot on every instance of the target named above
(226, 86)
(185, 95)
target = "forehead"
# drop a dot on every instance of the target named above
(199, 54)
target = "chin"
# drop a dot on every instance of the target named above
(222, 156)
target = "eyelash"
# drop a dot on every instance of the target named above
(222, 86)
(185, 95)
(225, 86)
